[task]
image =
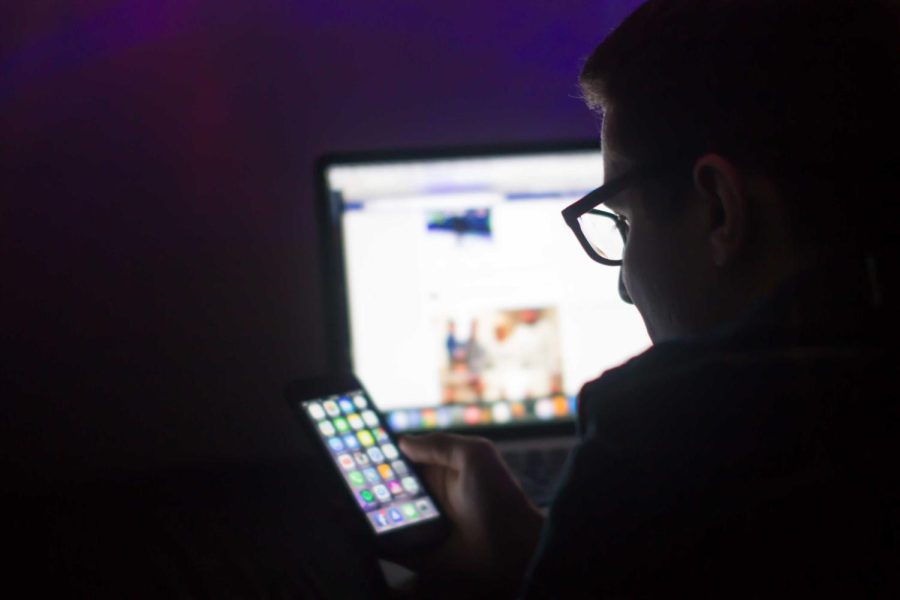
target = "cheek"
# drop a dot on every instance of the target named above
(635, 266)
(651, 276)
(635, 275)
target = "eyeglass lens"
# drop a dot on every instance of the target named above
(602, 234)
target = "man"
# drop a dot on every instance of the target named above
(750, 153)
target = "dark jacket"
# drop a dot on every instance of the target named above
(760, 461)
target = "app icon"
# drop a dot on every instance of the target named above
(385, 472)
(331, 408)
(356, 478)
(341, 425)
(346, 462)
(367, 496)
(472, 415)
(457, 413)
(398, 420)
(335, 444)
(429, 419)
(361, 458)
(350, 441)
(395, 515)
(381, 493)
(396, 488)
(560, 406)
(380, 519)
(424, 506)
(355, 421)
(360, 401)
(415, 419)
(502, 412)
(410, 485)
(443, 417)
(543, 409)
(375, 454)
(365, 438)
(346, 405)
(390, 451)
(326, 428)
(400, 467)
(381, 435)
(409, 511)
(370, 418)
(315, 411)
(371, 475)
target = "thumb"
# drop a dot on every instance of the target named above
(439, 449)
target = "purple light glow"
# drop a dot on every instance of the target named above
(159, 227)
(101, 34)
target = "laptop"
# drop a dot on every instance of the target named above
(457, 294)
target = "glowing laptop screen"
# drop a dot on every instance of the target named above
(469, 300)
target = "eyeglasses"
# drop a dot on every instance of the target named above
(601, 233)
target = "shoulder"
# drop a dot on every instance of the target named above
(727, 393)
(674, 367)
(697, 452)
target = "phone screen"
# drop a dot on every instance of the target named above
(380, 479)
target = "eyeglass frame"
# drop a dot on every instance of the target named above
(588, 205)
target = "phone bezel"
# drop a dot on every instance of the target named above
(392, 543)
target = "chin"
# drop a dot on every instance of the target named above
(652, 330)
(661, 332)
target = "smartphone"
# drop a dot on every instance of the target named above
(352, 435)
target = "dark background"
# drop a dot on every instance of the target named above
(157, 239)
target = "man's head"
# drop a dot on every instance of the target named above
(773, 127)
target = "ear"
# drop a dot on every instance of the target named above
(721, 191)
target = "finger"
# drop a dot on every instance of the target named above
(432, 449)
(443, 449)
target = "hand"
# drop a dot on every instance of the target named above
(494, 526)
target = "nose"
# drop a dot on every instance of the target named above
(623, 291)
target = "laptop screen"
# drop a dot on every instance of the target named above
(468, 301)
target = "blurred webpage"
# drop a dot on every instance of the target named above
(465, 285)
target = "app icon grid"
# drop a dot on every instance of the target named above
(370, 463)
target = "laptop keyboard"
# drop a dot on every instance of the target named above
(537, 469)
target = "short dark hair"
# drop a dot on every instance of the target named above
(805, 91)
